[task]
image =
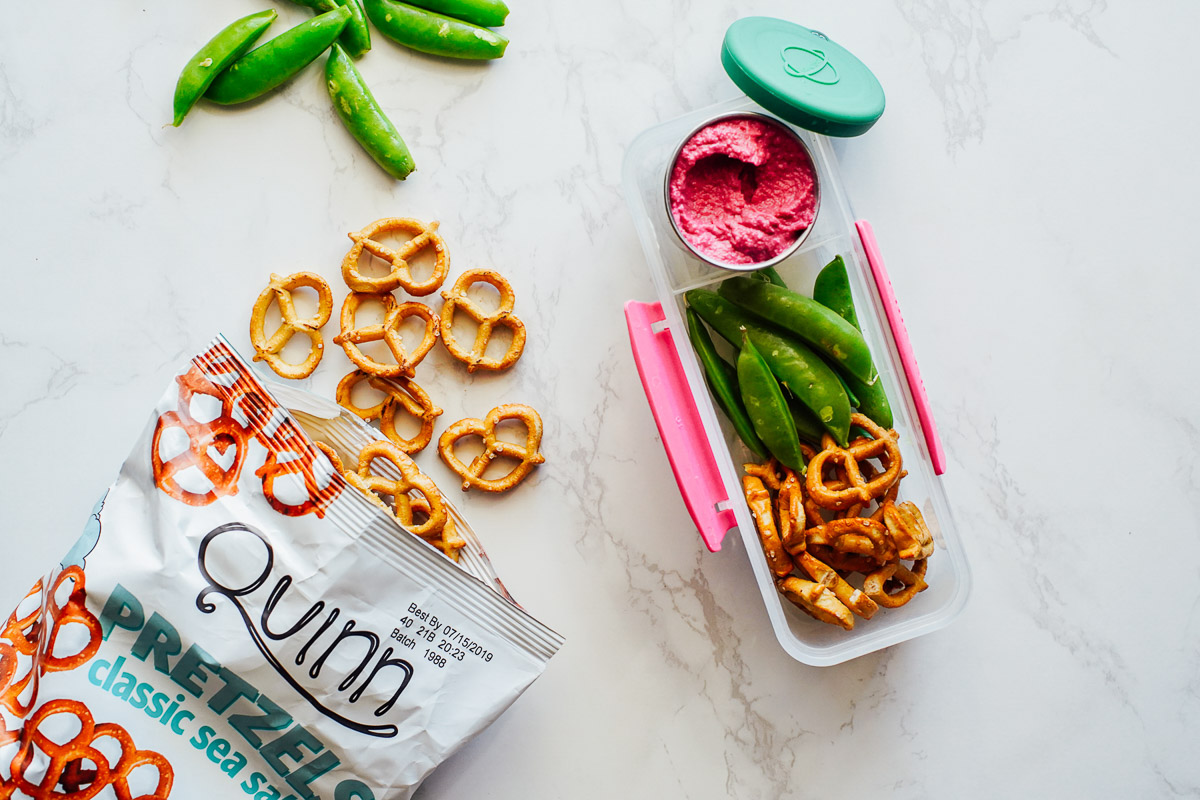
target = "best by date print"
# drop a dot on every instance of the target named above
(420, 626)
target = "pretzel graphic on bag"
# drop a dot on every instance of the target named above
(63, 760)
(401, 274)
(219, 434)
(290, 454)
(35, 636)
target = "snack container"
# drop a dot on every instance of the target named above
(702, 446)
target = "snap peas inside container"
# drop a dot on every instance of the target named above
(798, 368)
(363, 117)
(212, 59)
(833, 336)
(721, 377)
(274, 63)
(832, 290)
(432, 33)
(767, 407)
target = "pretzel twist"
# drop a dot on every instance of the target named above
(859, 535)
(456, 298)
(856, 488)
(911, 581)
(268, 348)
(388, 332)
(399, 394)
(528, 455)
(411, 479)
(400, 275)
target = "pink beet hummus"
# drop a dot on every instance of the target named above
(742, 190)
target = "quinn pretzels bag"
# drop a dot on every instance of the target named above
(238, 621)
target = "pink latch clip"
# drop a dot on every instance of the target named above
(678, 422)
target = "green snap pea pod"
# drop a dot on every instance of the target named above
(808, 427)
(832, 290)
(356, 36)
(222, 50)
(722, 381)
(433, 33)
(488, 13)
(799, 369)
(272, 64)
(772, 276)
(846, 386)
(808, 319)
(872, 401)
(766, 407)
(362, 116)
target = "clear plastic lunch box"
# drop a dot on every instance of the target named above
(703, 448)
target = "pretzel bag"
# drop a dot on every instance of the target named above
(238, 621)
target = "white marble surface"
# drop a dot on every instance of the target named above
(1033, 186)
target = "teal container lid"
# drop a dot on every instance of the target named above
(800, 75)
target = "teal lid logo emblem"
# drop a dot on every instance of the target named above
(811, 65)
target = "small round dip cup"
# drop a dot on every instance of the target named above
(785, 252)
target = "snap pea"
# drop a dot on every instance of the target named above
(722, 382)
(433, 33)
(832, 290)
(800, 370)
(356, 36)
(766, 407)
(362, 116)
(770, 275)
(850, 393)
(222, 50)
(272, 64)
(489, 13)
(808, 427)
(808, 319)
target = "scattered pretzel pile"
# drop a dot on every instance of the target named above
(414, 500)
(840, 519)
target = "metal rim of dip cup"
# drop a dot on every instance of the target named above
(794, 246)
